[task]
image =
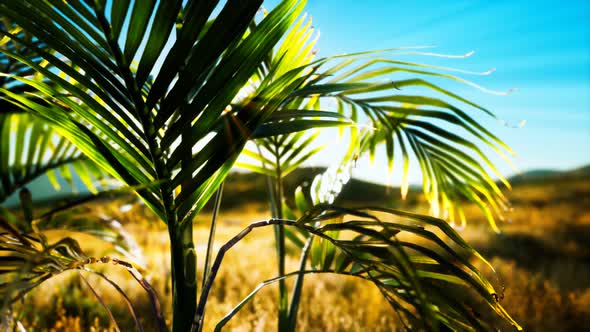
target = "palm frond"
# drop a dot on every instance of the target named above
(29, 258)
(430, 283)
(104, 228)
(429, 127)
(142, 131)
(32, 148)
(167, 132)
(173, 134)
(287, 138)
(442, 137)
(9, 65)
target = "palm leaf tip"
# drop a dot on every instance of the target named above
(429, 284)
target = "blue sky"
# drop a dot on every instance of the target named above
(540, 47)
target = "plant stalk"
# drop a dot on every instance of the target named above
(296, 298)
(184, 281)
(283, 316)
(211, 240)
(183, 256)
(200, 312)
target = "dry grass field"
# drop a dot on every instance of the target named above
(542, 259)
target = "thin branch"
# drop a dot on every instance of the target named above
(211, 239)
(125, 298)
(156, 306)
(199, 314)
(295, 300)
(235, 310)
(106, 308)
(283, 315)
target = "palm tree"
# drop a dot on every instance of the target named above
(172, 132)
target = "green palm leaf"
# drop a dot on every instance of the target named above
(28, 260)
(287, 138)
(36, 149)
(173, 133)
(361, 84)
(429, 283)
(394, 119)
(31, 147)
(423, 125)
(140, 141)
(165, 131)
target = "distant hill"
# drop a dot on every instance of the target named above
(253, 187)
(544, 175)
(241, 187)
(358, 192)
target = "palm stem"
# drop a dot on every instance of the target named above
(184, 283)
(200, 312)
(183, 256)
(283, 317)
(184, 270)
(211, 240)
(296, 298)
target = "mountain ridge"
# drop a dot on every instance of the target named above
(254, 186)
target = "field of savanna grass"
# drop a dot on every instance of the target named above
(542, 259)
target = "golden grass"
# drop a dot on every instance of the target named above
(541, 259)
